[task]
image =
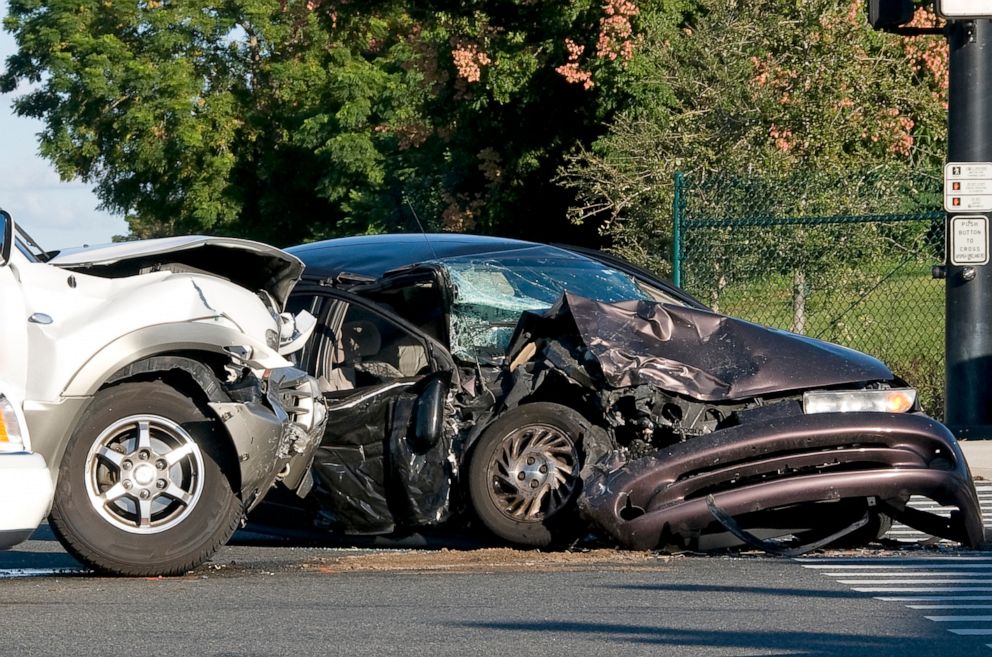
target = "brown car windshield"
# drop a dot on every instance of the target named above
(490, 293)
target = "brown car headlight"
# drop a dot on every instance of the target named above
(896, 400)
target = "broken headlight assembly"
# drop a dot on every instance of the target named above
(292, 331)
(11, 434)
(895, 400)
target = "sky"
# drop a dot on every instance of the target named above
(57, 214)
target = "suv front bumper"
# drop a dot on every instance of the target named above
(25, 495)
(276, 439)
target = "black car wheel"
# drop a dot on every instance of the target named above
(524, 474)
(142, 487)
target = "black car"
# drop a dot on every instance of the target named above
(547, 391)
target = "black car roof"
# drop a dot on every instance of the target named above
(373, 255)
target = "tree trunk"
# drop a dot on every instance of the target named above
(799, 294)
(721, 283)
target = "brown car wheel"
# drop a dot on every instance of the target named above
(524, 474)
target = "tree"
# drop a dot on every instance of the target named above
(758, 89)
(287, 120)
(785, 108)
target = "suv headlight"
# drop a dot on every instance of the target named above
(295, 331)
(11, 432)
(896, 400)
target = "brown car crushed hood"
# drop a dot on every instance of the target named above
(700, 354)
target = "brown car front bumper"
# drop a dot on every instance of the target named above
(795, 464)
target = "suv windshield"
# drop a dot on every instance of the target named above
(491, 291)
(27, 246)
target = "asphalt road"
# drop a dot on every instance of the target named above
(256, 600)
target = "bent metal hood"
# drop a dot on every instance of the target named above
(697, 353)
(249, 264)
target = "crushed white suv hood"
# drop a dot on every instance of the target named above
(249, 264)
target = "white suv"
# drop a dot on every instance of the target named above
(155, 385)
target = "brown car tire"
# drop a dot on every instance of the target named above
(523, 474)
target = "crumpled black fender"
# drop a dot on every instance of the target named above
(783, 462)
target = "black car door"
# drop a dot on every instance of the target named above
(384, 459)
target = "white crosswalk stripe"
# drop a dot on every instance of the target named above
(952, 591)
(904, 534)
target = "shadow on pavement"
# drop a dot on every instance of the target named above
(31, 560)
(790, 643)
(715, 588)
(259, 535)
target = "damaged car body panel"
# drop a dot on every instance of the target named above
(249, 264)
(704, 355)
(574, 386)
(237, 326)
(668, 497)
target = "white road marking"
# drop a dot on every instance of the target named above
(928, 572)
(915, 563)
(915, 582)
(950, 583)
(898, 562)
(928, 589)
(947, 606)
(936, 598)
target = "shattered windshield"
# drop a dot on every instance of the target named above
(490, 293)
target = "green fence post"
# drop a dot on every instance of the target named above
(677, 231)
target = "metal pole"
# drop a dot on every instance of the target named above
(968, 337)
(677, 232)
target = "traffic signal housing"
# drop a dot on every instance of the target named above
(888, 14)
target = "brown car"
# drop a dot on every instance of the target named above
(548, 391)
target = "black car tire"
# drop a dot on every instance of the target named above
(512, 479)
(143, 486)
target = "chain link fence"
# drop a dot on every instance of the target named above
(815, 255)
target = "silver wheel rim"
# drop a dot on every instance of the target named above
(533, 473)
(144, 474)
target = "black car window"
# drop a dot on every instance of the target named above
(362, 348)
(311, 303)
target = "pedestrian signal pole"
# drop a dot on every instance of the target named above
(968, 203)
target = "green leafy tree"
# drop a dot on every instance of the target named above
(784, 108)
(287, 120)
(759, 89)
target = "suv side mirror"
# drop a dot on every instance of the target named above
(7, 235)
